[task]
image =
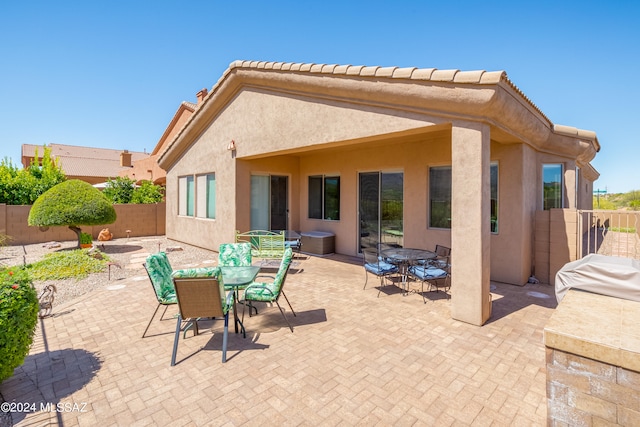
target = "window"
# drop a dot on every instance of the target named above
(324, 197)
(440, 197)
(197, 198)
(185, 195)
(206, 196)
(552, 185)
(494, 197)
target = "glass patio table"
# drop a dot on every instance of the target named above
(403, 258)
(238, 277)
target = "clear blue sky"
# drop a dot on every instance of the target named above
(112, 73)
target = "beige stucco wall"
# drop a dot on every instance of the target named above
(140, 220)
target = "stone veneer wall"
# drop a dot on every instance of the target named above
(593, 361)
(587, 392)
(141, 220)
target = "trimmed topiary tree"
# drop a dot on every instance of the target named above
(18, 316)
(72, 203)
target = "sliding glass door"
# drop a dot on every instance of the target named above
(269, 202)
(381, 208)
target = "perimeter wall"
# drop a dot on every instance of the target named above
(138, 220)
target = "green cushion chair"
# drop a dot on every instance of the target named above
(159, 271)
(271, 291)
(234, 254)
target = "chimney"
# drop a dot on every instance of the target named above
(125, 159)
(201, 95)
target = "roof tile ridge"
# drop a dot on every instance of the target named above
(444, 75)
(190, 105)
(505, 79)
(574, 131)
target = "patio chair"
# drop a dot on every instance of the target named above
(293, 244)
(270, 291)
(159, 271)
(436, 277)
(200, 294)
(376, 265)
(234, 254)
(443, 254)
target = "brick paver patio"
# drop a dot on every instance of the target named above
(354, 359)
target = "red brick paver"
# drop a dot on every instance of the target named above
(354, 359)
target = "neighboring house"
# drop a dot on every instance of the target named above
(147, 168)
(93, 165)
(422, 156)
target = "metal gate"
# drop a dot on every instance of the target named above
(613, 233)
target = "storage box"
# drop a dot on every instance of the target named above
(318, 242)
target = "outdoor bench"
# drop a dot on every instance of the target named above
(264, 244)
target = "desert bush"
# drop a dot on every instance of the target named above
(18, 317)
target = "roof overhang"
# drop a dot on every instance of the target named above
(448, 95)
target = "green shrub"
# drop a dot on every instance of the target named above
(123, 190)
(119, 190)
(22, 186)
(18, 316)
(72, 203)
(147, 193)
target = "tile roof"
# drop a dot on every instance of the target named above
(408, 73)
(472, 80)
(85, 161)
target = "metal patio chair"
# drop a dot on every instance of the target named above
(436, 276)
(200, 294)
(234, 255)
(376, 265)
(159, 271)
(270, 291)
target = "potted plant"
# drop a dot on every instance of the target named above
(86, 241)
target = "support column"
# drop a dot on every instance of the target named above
(470, 222)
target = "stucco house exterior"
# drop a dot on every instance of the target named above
(417, 156)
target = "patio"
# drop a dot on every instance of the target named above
(354, 359)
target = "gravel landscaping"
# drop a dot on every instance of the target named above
(127, 256)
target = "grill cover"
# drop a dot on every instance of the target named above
(601, 274)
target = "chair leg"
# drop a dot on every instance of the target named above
(366, 278)
(243, 308)
(164, 312)
(175, 341)
(151, 320)
(283, 315)
(382, 284)
(285, 297)
(225, 337)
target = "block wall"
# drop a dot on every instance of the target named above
(556, 242)
(586, 392)
(139, 220)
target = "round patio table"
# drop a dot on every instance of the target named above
(403, 258)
